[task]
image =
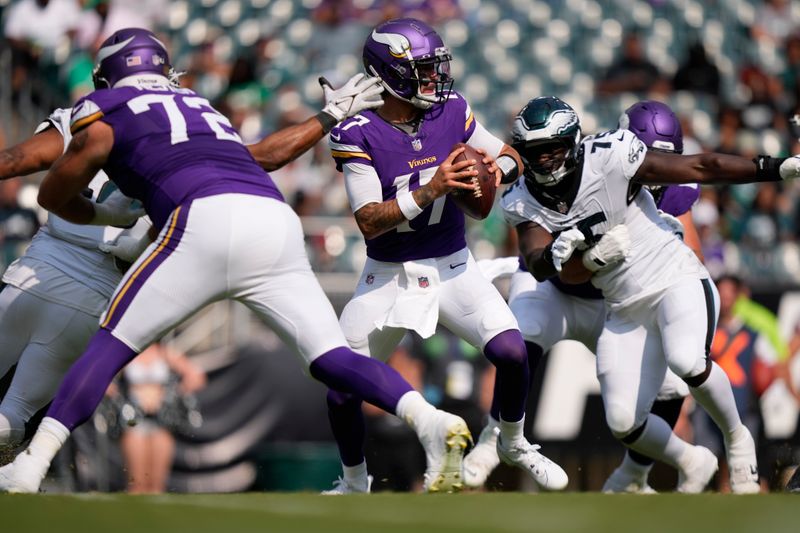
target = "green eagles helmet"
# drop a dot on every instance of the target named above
(546, 134)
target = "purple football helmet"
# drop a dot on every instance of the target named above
(129, 52)
(655, 124)
(411, 60)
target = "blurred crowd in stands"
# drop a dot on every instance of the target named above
(729, 68)
(258, 60)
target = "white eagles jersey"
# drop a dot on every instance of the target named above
(605, 198)
(62, 248)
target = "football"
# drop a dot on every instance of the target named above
(478, 203)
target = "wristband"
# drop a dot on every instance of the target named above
(508, 167)
(328, 121)
(767, 168)
(408, 206)
(547, 254)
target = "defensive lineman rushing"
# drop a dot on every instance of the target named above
(213, 204)
(56, 292)
(398, 168)
(661, 305)
(551, 310)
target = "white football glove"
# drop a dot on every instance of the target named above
(116, 210)
(613, 246)
(126, 246)
(359, 93)
(564, 246)
(790, 169)
(674, 224)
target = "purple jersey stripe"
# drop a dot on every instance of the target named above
(128, 291)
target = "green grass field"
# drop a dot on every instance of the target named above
(407, 513)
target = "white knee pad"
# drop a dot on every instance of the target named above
(621, 419)
(685, 367)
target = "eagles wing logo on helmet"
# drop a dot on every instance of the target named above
(562, 120)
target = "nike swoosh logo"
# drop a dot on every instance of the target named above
(335, 137)
(453, 267)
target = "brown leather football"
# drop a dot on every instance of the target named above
(478, 203)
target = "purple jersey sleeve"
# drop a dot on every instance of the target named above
(348, 143)
(679, 199)
(469, 124)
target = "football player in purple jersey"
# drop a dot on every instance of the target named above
(553, 310)
(398, 167)
(225, 232)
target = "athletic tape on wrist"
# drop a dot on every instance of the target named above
(408, 206)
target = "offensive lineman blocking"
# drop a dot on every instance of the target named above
(168, 148)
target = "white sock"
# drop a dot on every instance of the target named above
(356, 476)
(512, 431)
(659, 442)
(716, 397)
(411, 407)
(11, 431)
(49, 438)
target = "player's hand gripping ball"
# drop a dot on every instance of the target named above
(476, 203)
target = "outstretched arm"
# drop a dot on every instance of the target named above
(32, 155)
(665, 169)
(284, 146)
(359, 93)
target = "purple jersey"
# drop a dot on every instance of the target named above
(406, 162)
(170, 147)
(677, 200)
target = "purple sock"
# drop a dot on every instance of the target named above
(535, 354)
(344, 370)
(347, 424)
(507, 353)
(86, 382)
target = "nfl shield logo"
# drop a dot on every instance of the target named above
(370, 279)
(416, 144)
(423, 282)
(562, 207)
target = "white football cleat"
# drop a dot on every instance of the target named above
(482, 459)
(24, 475)
(695, 478)
(524, 455)
(741, 453)
(623, 481)
(341, 486)
(444, 437)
